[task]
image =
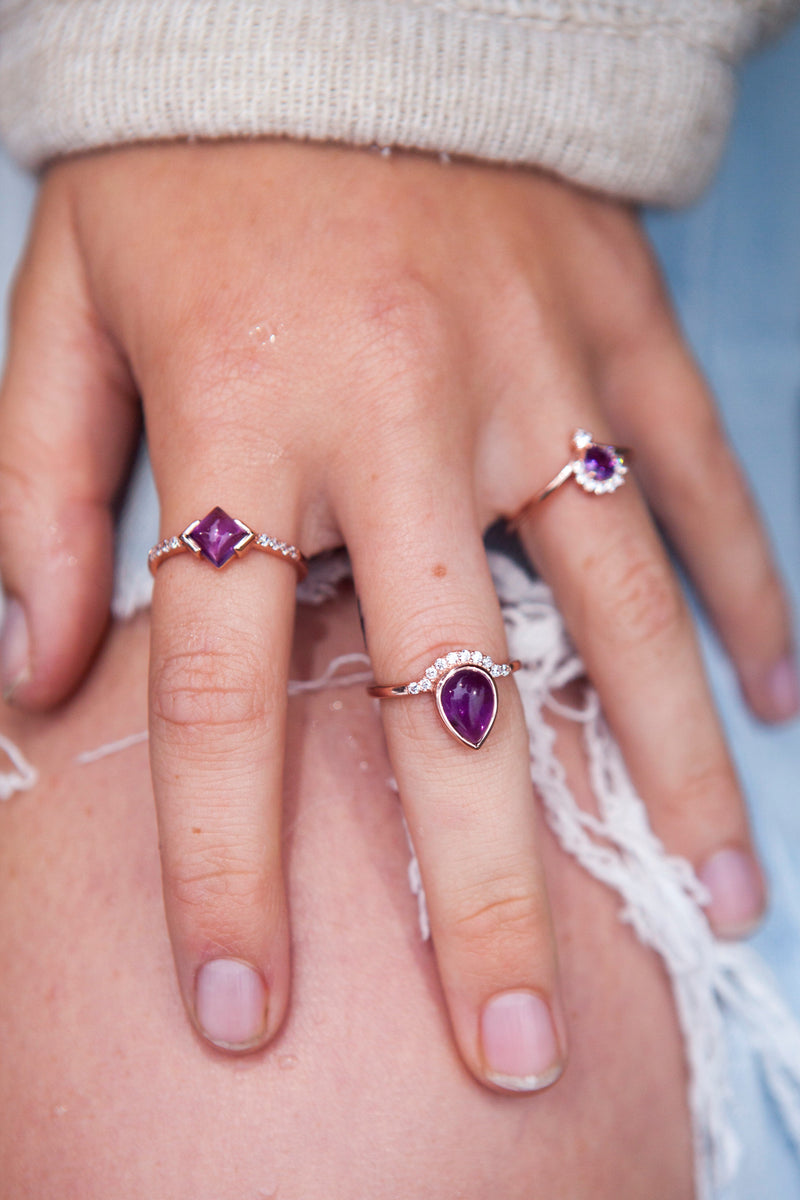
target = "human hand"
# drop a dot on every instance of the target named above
(439, 332)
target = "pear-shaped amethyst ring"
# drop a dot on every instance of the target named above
(597, 468)
(219, 539)
(463, 683)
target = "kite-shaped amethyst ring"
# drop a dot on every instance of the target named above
(463, 683)
(597, 468)
(220, 538)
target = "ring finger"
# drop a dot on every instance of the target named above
(624, 608)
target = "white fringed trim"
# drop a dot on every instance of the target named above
(22, 778)
(661, 896)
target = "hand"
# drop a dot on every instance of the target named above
(439, 333)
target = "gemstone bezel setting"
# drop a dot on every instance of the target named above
(197, 543)
(480, 737)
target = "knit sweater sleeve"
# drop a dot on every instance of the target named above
(632, 97)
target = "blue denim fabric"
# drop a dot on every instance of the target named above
(733, 263)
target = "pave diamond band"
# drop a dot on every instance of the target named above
(219, 538)
(463, 683)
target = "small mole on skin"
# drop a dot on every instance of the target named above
(196, 829)
(440, 570)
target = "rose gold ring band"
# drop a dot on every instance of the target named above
(597, 468)
(219, 539)
(463, 685)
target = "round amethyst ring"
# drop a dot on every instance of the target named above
(597, 468)
(463, 684)
(219, 538)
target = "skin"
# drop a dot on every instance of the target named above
(108, 1094)
(439, 332)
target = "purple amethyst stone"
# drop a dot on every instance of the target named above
(217, 535)
(468, 704)
(600, 461)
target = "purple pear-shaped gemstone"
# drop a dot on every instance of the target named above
(600, 461)
(217, 535)
(467, 700)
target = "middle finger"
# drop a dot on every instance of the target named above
(426, 591)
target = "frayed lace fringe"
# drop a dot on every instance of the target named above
(22, 778)
(661, 897)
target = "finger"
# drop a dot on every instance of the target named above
(219, 667)
(660, 404)
(68, 424)
(624, 609)
(425, 590)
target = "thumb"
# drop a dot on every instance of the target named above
(68, 423)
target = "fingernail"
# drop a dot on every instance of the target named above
(737, 892)
(231, 1003)
(15, 668)
(783, 689)
(520, 1045)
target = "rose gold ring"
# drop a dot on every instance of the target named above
(466, 697)
(596, 468)
(220, 538)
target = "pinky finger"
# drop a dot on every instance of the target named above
(660, 403)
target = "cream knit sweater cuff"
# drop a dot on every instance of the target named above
(629, 96)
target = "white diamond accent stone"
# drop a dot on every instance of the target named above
(452, 659)
(413, 688)
(431, 672)
(486, 663)
(464, 657)
(440, 665)
(476, 658)
(425, 685)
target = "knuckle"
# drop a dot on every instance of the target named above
(641, 306)
(403, 325)
(205, 685)
(711, 794)
(217, 877)
(643, 604)
(503, 915)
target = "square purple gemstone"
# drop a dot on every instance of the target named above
(217, 536)
(600, 461)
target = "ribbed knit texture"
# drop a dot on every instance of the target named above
(629, 96)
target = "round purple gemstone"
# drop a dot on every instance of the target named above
(468, 704)
(600, 461)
